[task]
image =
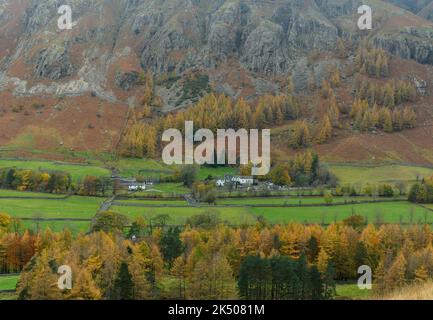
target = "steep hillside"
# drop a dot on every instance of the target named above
(412, 5)
(70, 90)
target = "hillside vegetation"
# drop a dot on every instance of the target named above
(422, 291)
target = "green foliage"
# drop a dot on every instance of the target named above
(29, 180)
(207, 220)
(372, 61)
(355, 221)
(205, 192)
(171, 245)
(303, 170)
(123, 284)
(282, 278)
(109, 221)
(422, 192)
(188, 175)
(194, 87)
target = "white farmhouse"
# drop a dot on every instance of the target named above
(137, 187)
(236, 180)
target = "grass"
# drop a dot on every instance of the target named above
(7, 296)
(77, 172)
(351, 291)
(73, 207)
(392, 212)
(286, 200)
(389, 212)
(131, 167)
(154, 202)
(85, 208)
(378, 174)
(21, 194)
(180, 215)
(75, 227)
(177, 188)
(8, 282)
(420, 291)
(204, 172)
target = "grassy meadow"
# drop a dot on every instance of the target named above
(77, 171)
(351, 291)
(8, 282)
(73, 207)
(347, 174)
(387, 212)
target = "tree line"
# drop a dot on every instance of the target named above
(213, 111)
(53, 182)
(422, 191)
(31, 180)
(209, 260)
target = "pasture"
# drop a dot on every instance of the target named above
(362, 175)
(21, 194)
(77, 171)
(76, 212)
(385, 212)
(75, 227)
(352, 292)
(8, 282)
(73, 207)
(290, 200)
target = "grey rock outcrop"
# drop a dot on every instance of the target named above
(408, 43)
(266, 39)
(53, 63)
(127, 80)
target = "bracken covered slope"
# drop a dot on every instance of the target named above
(72, 88)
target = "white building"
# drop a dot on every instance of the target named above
(236, 180)
(137, 187)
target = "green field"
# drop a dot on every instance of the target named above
(351, 291)
(347, 174)
(8, 282)
(76, 171)
(75, 227)
(204, 172)
(154, 202)
(73, 207)
(131, 167)
(389, 212)
(392, 212)
(20, 194)
(286, 200)
(179, 215)
(77, 207)
(176, 188)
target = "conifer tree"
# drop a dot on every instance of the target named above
(123, 285)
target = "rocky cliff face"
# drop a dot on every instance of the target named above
(113, 40)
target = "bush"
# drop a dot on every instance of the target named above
(386, 190)
(207, 220)
(109, 221)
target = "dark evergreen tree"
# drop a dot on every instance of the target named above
(255, 278)
(360, 254)
(171, 245)
(312, 249)
(316, 284)
(123, 285)
(329, 283)
(10, 176)
(304, 278)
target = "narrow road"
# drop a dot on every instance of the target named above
(106, 205)
(190, 200)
